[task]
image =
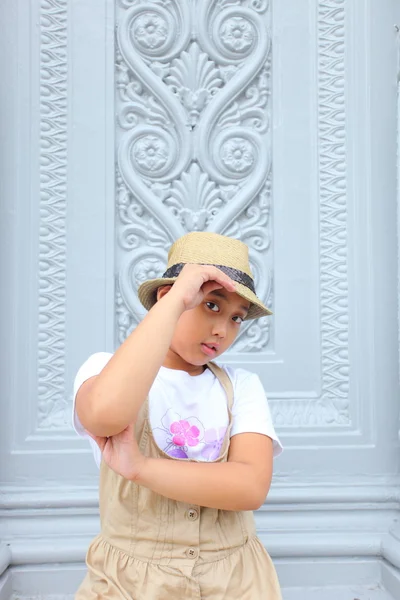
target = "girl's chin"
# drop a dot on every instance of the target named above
(198, 359)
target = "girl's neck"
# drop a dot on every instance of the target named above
(176, 362)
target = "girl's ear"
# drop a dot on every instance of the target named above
(161, 291)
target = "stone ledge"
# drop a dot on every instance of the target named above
(331, 580)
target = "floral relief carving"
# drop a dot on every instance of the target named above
(238, 155)
(194, 199)
(150, 30)
(195, 80)
(194, 153)
(237, 34)
(151, 152)
(162, 99)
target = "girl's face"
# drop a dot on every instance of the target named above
(205, 332)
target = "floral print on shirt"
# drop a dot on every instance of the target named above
(187, 438)
(184, 433)
(177, 435)
(214, 438)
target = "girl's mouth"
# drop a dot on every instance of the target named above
(209, 350)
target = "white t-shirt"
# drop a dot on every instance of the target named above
(188, 414)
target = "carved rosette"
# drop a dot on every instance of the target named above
(52, 402)
(193, 139)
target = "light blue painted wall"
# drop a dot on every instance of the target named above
(307, 95)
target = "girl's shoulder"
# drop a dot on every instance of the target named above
(240, 376)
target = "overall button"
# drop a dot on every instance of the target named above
(192, 553)
(192, 514)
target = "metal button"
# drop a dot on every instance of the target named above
(192, 553)
(192, 514)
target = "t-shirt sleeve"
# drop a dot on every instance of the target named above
(91, 367)
(250, 411)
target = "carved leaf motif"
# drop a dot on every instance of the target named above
(251, 109)
(138, 104)
(194, 199)
(194, 78)
(126, 322)
(137, 228)
(225, 3)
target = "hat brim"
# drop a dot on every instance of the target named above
(147, 294)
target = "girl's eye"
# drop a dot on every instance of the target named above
(211, 305)
(239, 319)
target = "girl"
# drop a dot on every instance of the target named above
(185, 447)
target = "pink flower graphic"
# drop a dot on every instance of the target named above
(176, 436)
(184, 433)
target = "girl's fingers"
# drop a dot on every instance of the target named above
(230, 286)
(224, 280)
(213, 284)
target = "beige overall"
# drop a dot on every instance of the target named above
(154, 548)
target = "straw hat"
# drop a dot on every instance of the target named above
(205, 248)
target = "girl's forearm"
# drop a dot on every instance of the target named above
(120, 389)
(227, 486)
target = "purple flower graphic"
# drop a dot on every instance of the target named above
(177, 453)
(214, 439)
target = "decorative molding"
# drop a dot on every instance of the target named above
(332, 408)
(341, 493)
(52, 403)
(333, 210)
(193, 136)
(193, 125)
(346, 521)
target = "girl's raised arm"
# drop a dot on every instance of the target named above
(108, 403)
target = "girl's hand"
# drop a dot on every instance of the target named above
(121, 453)
(194, 282)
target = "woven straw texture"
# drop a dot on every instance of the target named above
(200, 247)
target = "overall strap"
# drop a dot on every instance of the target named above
(224, 380)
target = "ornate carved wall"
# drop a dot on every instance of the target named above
(194, 148)
(216, 122)
(128, 123)
(193, 139)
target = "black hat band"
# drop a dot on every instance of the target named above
(235, 274)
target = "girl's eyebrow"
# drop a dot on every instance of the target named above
(221, 294)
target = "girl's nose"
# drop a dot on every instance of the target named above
(219, 329)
